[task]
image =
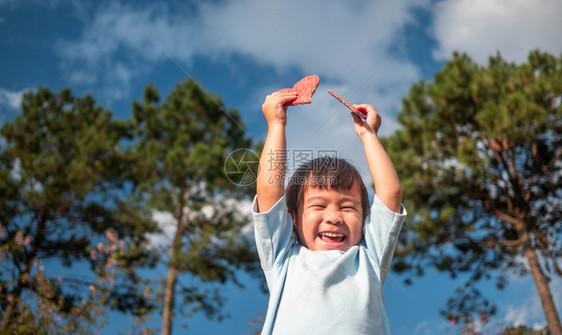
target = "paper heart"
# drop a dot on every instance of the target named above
(346, 104)
(305, 89)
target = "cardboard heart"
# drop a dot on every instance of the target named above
(305, 89)
(346, 104)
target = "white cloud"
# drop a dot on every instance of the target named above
(527, 309)
(421, 328)
(118, 44)
(347, 44)
(482, 27)
(11, 98)
(10, 103)
(112, 27)
(168, 225)
(430, 327)
(342, 42)
(339, 40)
(524, 314)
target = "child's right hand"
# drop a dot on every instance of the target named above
(275, 109)
(371, 124)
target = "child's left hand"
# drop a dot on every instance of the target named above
(371, 124)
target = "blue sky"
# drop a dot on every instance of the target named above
(366, 51)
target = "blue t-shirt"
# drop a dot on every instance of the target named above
(326, 292)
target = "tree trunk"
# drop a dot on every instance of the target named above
(541, 282)
(168, 307)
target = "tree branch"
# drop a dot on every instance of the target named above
(544, 239)
(556, 158)
(493, 243)
(64, 206)
(508, 218)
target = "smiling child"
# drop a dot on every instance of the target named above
(324, 254)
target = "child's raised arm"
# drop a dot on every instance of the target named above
(271, 171)
(385, 178)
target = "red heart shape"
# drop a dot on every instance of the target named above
(305, 89)
(346, 104)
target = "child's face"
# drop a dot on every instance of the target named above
(330, 219)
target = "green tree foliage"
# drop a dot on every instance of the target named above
(63, 186)
(479, 157)
(524, 330)
(183, 144)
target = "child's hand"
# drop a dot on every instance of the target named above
(371, 125)
(275, 109)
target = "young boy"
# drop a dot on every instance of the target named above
(328, 278)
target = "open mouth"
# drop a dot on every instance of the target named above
(329, 237)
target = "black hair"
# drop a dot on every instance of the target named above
(325, 173)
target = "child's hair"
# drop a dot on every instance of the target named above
(324, 173)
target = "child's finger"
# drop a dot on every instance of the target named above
(288, 97)
(358, 120)
(280, 98)
(281, 94)
(364, 108)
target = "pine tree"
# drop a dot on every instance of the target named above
(479, 157)
(63, 200)
(183, 145)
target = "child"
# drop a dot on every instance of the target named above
(328, 278)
